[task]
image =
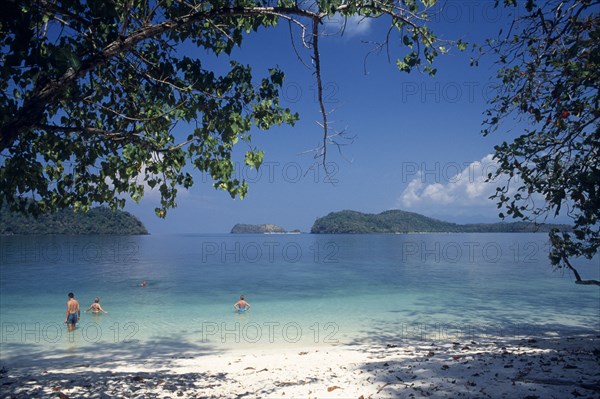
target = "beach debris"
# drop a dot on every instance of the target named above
(333, 388)
(303, 353)
(445, 367)
(286, 383)
(382, 388)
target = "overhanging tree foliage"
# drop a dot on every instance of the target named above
(93, 90)
(550, 75)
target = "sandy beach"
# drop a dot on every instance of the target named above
(549, 367)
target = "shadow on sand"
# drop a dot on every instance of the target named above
(155, 352)
(526, 361)
(94, 372)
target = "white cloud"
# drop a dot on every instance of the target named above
(464, 192)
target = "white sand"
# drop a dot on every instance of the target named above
(558, 367)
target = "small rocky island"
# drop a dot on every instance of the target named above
(260, 229)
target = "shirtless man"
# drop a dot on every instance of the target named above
(73, 312)
(241, 305)
(95, 307)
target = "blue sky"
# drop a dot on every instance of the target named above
(417, 144)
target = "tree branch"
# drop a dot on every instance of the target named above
(114, 136)
(317, 61)
(578, 279)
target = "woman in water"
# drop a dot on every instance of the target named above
(95, 307)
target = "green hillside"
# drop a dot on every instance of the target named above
(97, 221)
(397, 221)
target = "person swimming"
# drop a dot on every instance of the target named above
(241, 305)
(95, 307)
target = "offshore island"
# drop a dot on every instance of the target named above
(260, 229)
(100, 220)
(398, 221)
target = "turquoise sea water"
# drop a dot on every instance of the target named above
(303, 289)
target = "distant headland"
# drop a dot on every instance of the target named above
(260, 229)
(397, 221)
(99, 220)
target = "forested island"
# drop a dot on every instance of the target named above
(260, 229)
(99, 220)
(397, 221)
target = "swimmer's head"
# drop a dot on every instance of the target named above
(241, 297)
(96, 299)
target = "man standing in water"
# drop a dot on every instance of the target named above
(241, 305)
(73, 312)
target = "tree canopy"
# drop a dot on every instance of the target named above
(548, 83)
(93, 90)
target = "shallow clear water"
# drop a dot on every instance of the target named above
(303, 289)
